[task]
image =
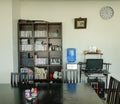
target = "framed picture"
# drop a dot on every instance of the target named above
(80, 23)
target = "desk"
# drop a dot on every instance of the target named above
(51, 94)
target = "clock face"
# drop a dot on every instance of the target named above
(106, 12)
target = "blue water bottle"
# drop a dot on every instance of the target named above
(71, 55)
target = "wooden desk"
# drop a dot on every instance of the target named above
(51, 94)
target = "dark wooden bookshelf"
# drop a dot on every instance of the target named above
(39, 45)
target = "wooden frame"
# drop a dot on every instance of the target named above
(80, 23)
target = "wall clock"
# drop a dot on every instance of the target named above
(106, 12)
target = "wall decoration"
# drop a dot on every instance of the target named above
(80, 23)
(106, 12)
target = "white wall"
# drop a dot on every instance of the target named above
(6, 52)
(101, 33)
(8, 40)
(104, 34)
(15, 17)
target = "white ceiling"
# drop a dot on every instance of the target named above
(70, 0)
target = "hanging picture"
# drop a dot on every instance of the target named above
(80, 23)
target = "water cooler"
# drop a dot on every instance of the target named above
(71, 66)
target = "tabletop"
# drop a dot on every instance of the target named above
(51, 94)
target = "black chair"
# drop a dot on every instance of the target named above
(118, 95)
(113, 95)
(18, 79)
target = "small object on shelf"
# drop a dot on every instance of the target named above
(57, 32)
(40, 33)
(55, 74)
(27, 93)
(55, 61)
(92, 50)
(51, 75)
(25, 33)
(34, 92)
(60, 75)
(40, 73)
(98, 51)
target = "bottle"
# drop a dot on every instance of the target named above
(57, 33)
(71, 54)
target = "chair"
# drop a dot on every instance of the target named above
(70, 76)
(113, 95)
(118, 95)
(18, 79)
(14, 79)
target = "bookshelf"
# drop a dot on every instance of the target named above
(40, 50)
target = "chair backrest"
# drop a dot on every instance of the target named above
(118, 95)
(14, 79)
(18, 79)
(70, 76)
(113, 91)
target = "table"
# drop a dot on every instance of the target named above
(51, 94)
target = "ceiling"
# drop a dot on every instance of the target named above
(70, 0)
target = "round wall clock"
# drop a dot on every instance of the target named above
(106, 12)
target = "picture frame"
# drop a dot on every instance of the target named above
(80, 23)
